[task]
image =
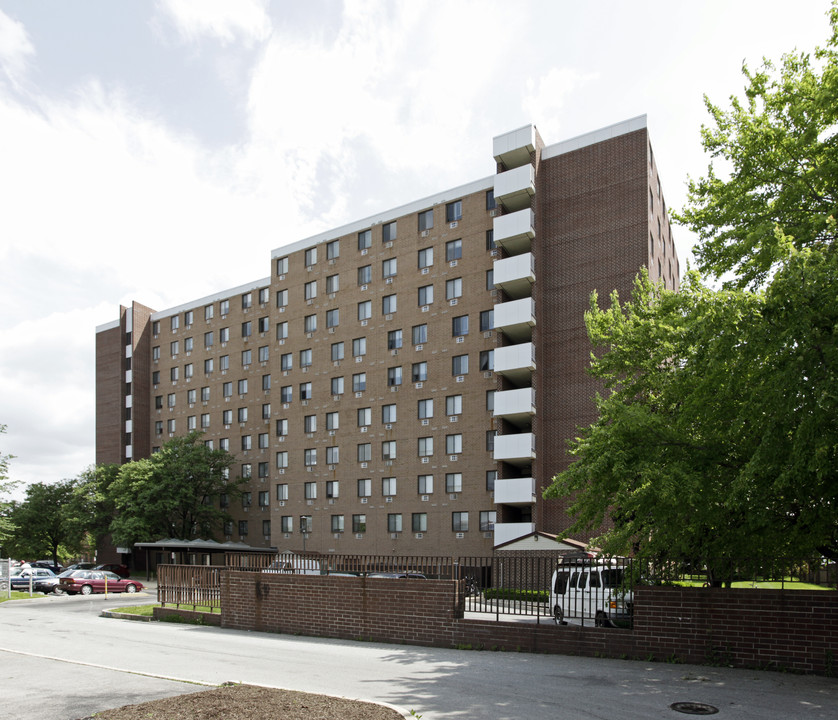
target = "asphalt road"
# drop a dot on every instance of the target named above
(60, 660)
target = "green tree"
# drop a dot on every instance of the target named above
(6, 525)
(174, 493)
(91, 509)
(41, 526)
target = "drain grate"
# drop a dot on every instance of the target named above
(694, 708)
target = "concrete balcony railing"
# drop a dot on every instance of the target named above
(516, 319)
(516, 449)
(515, 275)
(516, 362)
(517, 406)
(515, 188)
(513, 148)
(515, 491)
(515, 231)
(507, 532)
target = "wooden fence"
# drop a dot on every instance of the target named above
(193, 586)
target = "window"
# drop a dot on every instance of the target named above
(425, 484)
(426, 446)
(287, 523)
(453, 444)
(359, 347)
(459, 521)
(394, 522)
(365, 487)
(365, 239)
(487, 520)
(388, 304)
(310, 423)
(263, 323)
(426, 409)
(205, 420)
(487, 320)
(426, 295)
(364, 417)
(247, 442)
(228, 526)
(282, 266)
(337, 351)
(337, 385)
(266, 527)
(332, 283)
(174, 373)
(310, 491)
(337, 523)
(388, 413)
(332, 488)
(394, 376)
(224, 444)
(309, 459)
(394, 339)
(311, 257)
(188, 345)
(243, 528)
(227, 417)
(282, 427)
(491, 478)
(224, 362)
(242, 387)
(282, 331)
(282, 492)
(286, 394)
(175, 322)
(490, 199)
(174, 347)
(454, 211)
(264, 353)
(359, 523)
(155, 353)
(453, 250)
(459, 326)
(426, 220)
(420, 334)
(266, 411)
(224, 307)
(224, 500)
(264, 294)
(490, 279)
(365, 310)
(208, 340)
(365, 275)
(209, 312)
(332, 421)
(305, 357)
(306, 523)
(205, 394)
(263, 470)
(266, 382)
(310, 323)
(247, 329)
(332, 455)
(247, 300)
(388, 268)
(359, 382)
(247, 357)
(487, 359)
(281, 298)
(332, 318)
(310, 290)
(426, 257)
(227, 389)
(333, 250)
(453, 482)
(286, 361)
(490, 440)
(388, 486)
(155, 377)
(364, 452)
(453, 288)
(454, 405)
(170, 400)
(242, 415)
(388, 450)
(419, 372)
(247, 497)
(305, 391)
(208, 365)
(459, 365)
(419, 522)
(191, 423)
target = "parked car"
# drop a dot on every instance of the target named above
(414, 575)
(20, 577)
(121, 570)
(294, 565)
(81, 566)
(591, 589)
(87, 582)
(48, 564)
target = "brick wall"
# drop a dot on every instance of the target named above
(795, 630)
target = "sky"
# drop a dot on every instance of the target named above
(158, 151)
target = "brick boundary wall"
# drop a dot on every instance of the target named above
(794, 630)
(206, 618)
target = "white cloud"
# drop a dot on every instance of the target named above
(15, 48)
(244, 21)
(546, 97)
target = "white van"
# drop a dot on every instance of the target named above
(591, 589)
(293, 564)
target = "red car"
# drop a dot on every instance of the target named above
(121, 570)
(87, 582)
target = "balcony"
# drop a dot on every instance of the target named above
(516, 406)
(515, 491)
(515, 231)
(515, 188)
(516, 362)
(515, 449)
(516, 319)
(507, 532)
(513, 148)
(515, 275)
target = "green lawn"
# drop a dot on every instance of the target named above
(148, 610)
(17, 595)
(761, 584)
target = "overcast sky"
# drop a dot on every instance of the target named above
(158, 151)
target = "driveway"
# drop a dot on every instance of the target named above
(65, 662)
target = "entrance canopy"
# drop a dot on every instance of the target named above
(195, 552)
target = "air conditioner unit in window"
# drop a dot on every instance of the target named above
(359, 536)
(388, 499)
(418, 536)
(460, 536)
(425, 271)
(394, 536)
(425, 498)
(425, 233)
(364, 501)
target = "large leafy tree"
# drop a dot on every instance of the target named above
(718, 435)
(41, 522)
(6, 525)
(174, 493)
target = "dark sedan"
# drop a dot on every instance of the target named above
(88, 582)
(20, 580)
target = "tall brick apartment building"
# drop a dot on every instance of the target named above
(407, 383)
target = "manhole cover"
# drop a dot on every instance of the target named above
(694, 708)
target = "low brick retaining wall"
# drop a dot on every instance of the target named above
(795, 630)
(160, 613)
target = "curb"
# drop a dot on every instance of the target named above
(124, 616)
